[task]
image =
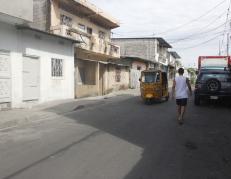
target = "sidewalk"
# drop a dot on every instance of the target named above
(16, 117)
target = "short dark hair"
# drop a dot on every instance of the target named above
(181, 71)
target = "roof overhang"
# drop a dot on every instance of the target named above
(163, 43)
(11, 19)
(85, 9)
(175, 55)
(87, 54)
(23, 27)
(136, 59)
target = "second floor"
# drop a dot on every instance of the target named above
(150, 48)
(79, 20)
(173, 57)
(16, 12)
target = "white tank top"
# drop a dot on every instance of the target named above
(181, 87)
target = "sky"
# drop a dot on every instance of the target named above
(192, 27)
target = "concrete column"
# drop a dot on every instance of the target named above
(97, 77)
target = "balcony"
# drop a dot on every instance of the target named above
(163, 59)
(83, 8)
(89, 42)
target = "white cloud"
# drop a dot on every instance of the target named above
(151, 17)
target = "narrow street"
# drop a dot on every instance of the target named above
(121, 138)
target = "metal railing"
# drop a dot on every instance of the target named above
(89, 42)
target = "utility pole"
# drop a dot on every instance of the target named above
(227, 50)
(219, 48)
(228, 38)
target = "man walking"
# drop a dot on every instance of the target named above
(180, 88)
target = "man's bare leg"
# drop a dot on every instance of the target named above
(178, 113)
(183, 108)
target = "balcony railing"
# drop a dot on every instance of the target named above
(163, 59)
(89, 42)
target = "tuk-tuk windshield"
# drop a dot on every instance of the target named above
(151, 77)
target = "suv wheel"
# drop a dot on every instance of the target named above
(213, 85)
(197, 100)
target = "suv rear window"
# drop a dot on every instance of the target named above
(219, 76)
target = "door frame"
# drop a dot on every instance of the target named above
(9, 77)
(39, 77)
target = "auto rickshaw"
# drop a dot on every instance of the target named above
(154, 85)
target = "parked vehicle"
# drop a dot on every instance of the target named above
(213, 62)
(212, 84)
(154, 85)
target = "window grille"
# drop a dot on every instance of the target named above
(65, 20)
(57, 67)
(118, 74)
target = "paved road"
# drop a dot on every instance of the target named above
(121, 138)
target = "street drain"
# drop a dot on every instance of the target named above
(191, 146)
(79, 107)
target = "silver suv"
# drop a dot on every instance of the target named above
(212, 84)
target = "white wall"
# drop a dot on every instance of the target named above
(45, 47)
(21, 10)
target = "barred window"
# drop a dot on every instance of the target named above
(56, 67)
(65, 20)
(118, 74)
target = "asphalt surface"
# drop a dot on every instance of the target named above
(121, 138)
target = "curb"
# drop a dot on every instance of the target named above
(38, 115)
(24, 120)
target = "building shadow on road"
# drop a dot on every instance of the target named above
(199, 149)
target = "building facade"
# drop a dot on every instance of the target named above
(35, 66)
(154, 50)
(135, 65)
(83, 21)
(142, 54)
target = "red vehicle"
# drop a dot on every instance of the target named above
(214, 62)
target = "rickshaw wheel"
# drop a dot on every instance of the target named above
(148, 101)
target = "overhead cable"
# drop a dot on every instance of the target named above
(200, 44)
(227, 18)
(189, 37)
(193, 20)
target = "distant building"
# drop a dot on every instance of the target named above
(154, 50)
(173, 57)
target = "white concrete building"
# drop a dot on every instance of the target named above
(35, 66)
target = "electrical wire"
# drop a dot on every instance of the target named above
(200, 44)
(193, 20)
(227, 18)
(180, 26)
(188, 37)
(198, 34)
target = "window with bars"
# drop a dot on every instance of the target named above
(65, 20)
(56, 67)
(117, 74)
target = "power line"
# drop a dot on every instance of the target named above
(200, 44)
(198, 34)
(180, 26)
(193, 20)
(227, 18)
(202, 28)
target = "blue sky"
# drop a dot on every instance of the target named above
(160, 18)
